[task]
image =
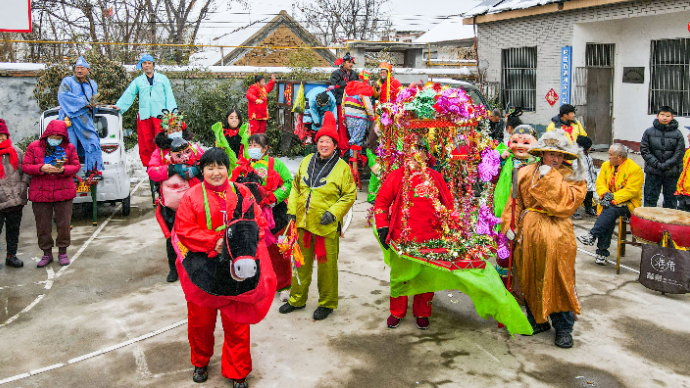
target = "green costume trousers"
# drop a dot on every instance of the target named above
(327, 274)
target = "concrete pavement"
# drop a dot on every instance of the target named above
(627, 336)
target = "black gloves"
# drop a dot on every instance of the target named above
(607, 197)
(383, 235)
(327, 218)
(605, 203)
(292, 218)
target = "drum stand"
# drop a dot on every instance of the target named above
(622, 241)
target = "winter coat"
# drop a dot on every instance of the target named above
(314, 113)
(497, 130)
(339, 79)
(152, 99)
(625, 184)
(576, 129)
(662, 149)
(14, 186)
(333, 190)
(257, 92)
(51, 187)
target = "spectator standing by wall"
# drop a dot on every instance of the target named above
(13, 183)
(52, 162)
(662, 148)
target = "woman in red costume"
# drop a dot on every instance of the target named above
(257, 103)
(223, 265)
(423, 222)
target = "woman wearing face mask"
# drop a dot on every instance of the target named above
(323, 191)
(274, 177)
(52, 161)
(232, 136)
(174, 166)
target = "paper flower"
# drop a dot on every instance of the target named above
(486, 221)
(490, 164)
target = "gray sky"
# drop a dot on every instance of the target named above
(405, 14)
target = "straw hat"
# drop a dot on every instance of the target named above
(555, 141)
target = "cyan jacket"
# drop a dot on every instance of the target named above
(152, 99)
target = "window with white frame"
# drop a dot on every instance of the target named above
(670, 76)
(519, 78)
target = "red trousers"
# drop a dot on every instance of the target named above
(421, 306)
(236, 362)
(146, 132)
(344, 136)
(257, 126)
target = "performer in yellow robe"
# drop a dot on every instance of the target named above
(548, 193)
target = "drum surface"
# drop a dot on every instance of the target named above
(649, 224)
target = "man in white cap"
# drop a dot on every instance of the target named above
(77, 99)
(155, 94)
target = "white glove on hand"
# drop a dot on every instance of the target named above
(244, 268)
(510, 234)
(543, 170)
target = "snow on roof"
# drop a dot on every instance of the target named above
(224, 29)
(447, 30)
(254, 69)
(498, 6)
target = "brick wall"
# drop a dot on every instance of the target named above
(282, 37)
(549, 33)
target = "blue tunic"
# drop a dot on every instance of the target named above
(73, 98)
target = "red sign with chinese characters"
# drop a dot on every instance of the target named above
(551, 97)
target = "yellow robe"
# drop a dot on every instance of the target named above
(684, 180)
(545, 245)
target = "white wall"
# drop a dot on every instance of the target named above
(632, 38)
(550, 32)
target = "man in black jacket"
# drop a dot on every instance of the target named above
(339, 79)
(662, 148)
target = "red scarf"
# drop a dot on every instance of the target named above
(231, 132)
(7, 149)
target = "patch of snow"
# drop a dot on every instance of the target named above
(292, 164)
(135, 169)
(449, 29)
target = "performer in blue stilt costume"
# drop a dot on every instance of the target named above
(77, 102)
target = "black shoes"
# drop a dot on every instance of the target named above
(240, 383)
(172, 277)
(200, 374)
(322, 313)
(288, 308)
(13, 261)
(564, 340)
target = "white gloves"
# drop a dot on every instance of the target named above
(543, 170)
(244, 268)
(510, 234)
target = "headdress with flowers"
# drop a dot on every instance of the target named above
(172, 121)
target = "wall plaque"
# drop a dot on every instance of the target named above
(633, 75)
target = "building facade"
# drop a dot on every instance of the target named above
(623, 60)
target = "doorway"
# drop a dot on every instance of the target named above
(594, 93)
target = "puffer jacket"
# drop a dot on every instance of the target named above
(662, 149)
(339, 79)
(51, 187)
(13, 187)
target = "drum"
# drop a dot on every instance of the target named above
(649, 223)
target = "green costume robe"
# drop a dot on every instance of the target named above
(374, 182)
(334, 191)
(222, 142)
